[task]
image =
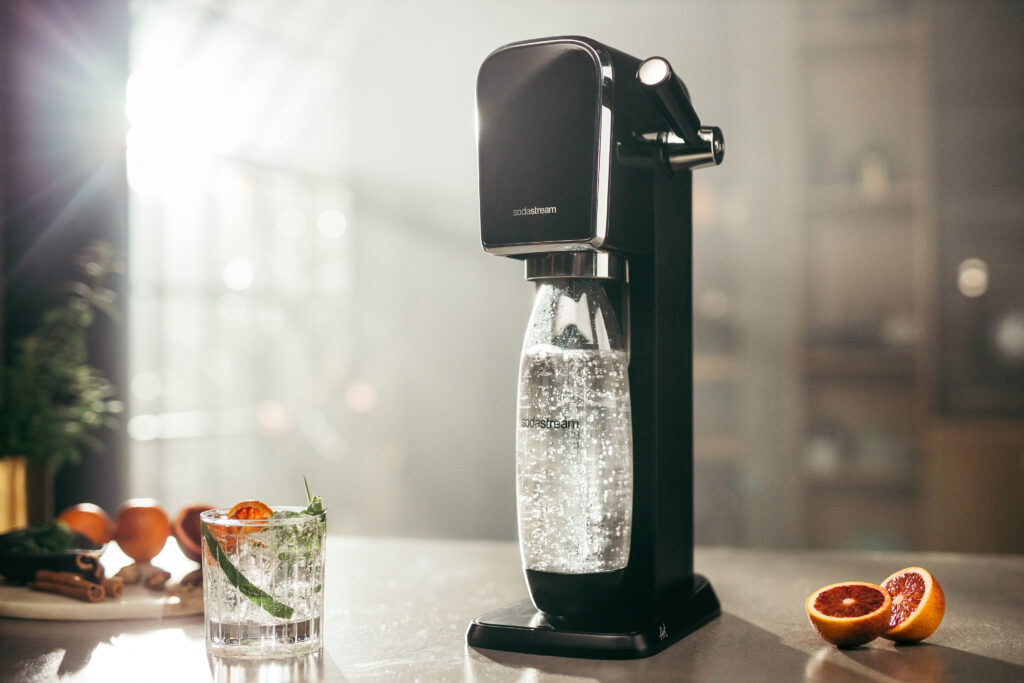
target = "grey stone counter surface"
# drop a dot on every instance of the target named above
(397, 610)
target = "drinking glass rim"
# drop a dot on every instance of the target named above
(211, 518)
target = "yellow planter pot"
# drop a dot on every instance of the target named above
(13, 493)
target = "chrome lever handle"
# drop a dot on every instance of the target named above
(670, 96)
(689, 145)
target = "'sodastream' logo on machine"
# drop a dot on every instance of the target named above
(534, 210)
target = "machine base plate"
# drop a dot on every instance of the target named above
(520, 627)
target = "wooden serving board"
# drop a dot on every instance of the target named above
(136, 602)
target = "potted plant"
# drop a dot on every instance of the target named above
(53, 403)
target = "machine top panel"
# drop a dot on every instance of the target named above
(542, 134)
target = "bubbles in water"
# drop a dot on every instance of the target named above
(574, 469)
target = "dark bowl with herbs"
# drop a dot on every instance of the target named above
(53, 546)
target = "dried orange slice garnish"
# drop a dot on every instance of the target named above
(918, 604)
(250, 509)
(229, 536)
(850, 613)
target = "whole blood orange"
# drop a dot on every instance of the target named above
(186, 529)
(918, 604)
(141, 529)
(89, 520)
(850, 613)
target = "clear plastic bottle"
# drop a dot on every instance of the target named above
(574, 446)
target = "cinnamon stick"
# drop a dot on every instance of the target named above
(86, 591)
(90, 567)
(66, 578)
(113, 587)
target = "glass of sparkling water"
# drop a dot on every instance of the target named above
(263, 583)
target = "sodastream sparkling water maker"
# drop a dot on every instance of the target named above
(585, 160)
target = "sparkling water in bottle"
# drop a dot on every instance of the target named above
(574, 450)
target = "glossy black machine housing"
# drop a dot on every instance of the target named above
(585, 151)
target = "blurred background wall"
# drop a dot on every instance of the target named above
(308, 294)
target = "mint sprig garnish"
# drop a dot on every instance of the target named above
(244, 586)
(316, 505)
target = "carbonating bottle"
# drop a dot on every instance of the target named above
(574, 452)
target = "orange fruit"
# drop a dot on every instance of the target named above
(250, 509)
(141, 529)
(89, 520)
(850, 613)
(918, 604)
(186, 530)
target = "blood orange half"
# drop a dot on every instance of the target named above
(850, 613)
(186, 529)
(918, 604)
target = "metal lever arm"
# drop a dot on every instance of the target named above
(691, 146)
(670, 96)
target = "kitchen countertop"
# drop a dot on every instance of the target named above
(397, 610)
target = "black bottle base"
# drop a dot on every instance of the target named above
(519, 627)
(576, 596)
